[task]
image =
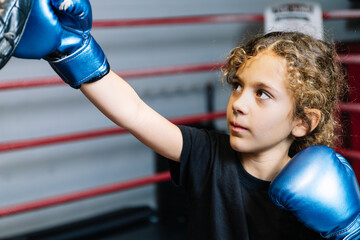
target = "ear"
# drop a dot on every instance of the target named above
(305, 126)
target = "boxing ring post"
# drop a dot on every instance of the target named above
(354, 98)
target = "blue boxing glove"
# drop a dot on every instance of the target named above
(59, 32)
(320, 188)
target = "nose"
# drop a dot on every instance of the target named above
(241, 103)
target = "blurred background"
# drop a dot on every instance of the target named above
(32, 173)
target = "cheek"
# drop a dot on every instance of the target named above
(274, 121)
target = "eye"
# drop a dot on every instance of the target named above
(236, 86)
(262, 94)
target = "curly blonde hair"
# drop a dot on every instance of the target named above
(315, 75)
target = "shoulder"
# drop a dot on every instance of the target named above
(204, 143)
(192, 133)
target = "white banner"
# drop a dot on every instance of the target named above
(300, 17)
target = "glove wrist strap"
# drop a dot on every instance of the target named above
(352, 232)
(87, 64)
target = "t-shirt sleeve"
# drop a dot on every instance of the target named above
(195, 158)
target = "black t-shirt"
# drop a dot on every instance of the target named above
(226, 202)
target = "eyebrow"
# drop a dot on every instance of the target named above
(266, 86)
(259, 84)
(237, 78)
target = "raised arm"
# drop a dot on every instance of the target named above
(59, 32)
(119, 102)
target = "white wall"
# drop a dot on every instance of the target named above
(27, 175)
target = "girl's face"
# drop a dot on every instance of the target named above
(259, 112)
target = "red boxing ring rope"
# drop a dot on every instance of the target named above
(52, 201)
(225, 18)
(145, 72)
(133, 73)
(11, 146)
(219, 18)
(341, 14)
(24, 144)
(350, 107)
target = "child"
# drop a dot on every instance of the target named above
(285, 88)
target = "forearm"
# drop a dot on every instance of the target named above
(117, 100)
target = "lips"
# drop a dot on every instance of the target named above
(235, 127)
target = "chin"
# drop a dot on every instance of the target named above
(237, 144)
(243, 146)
